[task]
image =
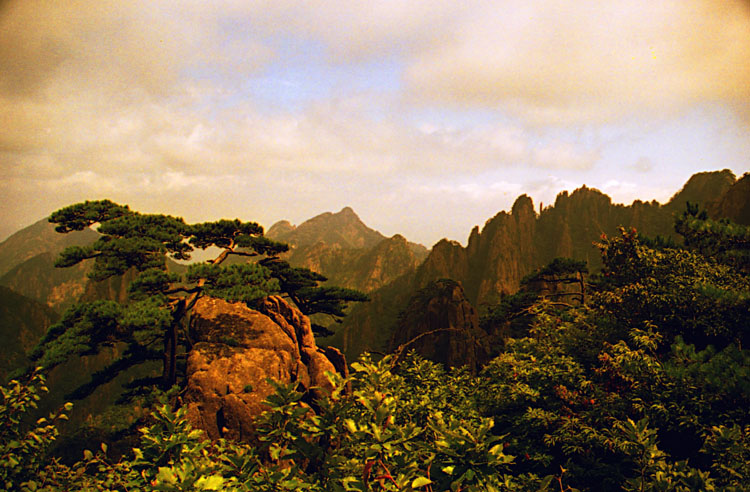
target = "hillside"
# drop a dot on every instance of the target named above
(513, 244)
(22, 322)
(341, 247)
(36, 239)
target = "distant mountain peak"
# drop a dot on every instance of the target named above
(703, 188)
(280, 228)
(522, 203)
(343, 229)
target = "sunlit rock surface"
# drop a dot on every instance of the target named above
(236, 349)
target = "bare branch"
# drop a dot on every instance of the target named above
(400, 350)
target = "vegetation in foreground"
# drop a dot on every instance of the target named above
(645, 387)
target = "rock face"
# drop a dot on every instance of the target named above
(22, 322)
(235, 349)
(734, 203)
(441, 325)
(514, 244)
(350, 254)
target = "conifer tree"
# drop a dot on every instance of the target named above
(152, 324)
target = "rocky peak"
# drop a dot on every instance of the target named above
(280, 229)
(343, 229)
(441, 325)
(702, 188)
(734, 203)
(236, 349)
(523, 206)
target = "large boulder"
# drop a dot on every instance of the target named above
(236, 349)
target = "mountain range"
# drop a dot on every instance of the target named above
(513, 244)
(341, 247)
(392, 270)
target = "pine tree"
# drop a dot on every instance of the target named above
(152, 324)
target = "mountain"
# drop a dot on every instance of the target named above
(341, 247)
(703, 188)
(514, 244)
(734, 203)
(342, 230)
(27, 264)
(36, 239)
(29, 256)
(38, 279)
(441, 325)
(22, 322)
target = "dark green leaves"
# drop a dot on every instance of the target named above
(222, 233)
(245, 282)
(301, 284)
(81, 215)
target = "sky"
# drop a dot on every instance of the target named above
(427, 117)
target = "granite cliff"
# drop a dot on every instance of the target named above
(442, 325)
(513, 244)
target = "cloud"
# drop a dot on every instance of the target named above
(627, 192)
(564, 155)
(643, 165)
(585, 61)
(152, 102)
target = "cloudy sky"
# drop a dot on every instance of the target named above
(425, 116)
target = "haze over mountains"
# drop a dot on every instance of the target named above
(344, 249)
(340, 246)
(513, 244)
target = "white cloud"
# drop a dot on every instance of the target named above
(564, 61)
(564, 155)
(148, 101)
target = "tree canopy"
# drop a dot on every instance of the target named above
(151, 325)
(644, 387)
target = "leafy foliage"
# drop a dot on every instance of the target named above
(645, 387)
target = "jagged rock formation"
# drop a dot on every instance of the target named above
(512, 245)
(344, 249)
(236, 349)
(442, 325)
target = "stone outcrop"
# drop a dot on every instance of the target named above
(441, 325)
(734, 203)
(236, 349)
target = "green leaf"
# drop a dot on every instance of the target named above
(420, 482)
(350, 425)
(213, 482)
(166, 475)
(545, 483)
